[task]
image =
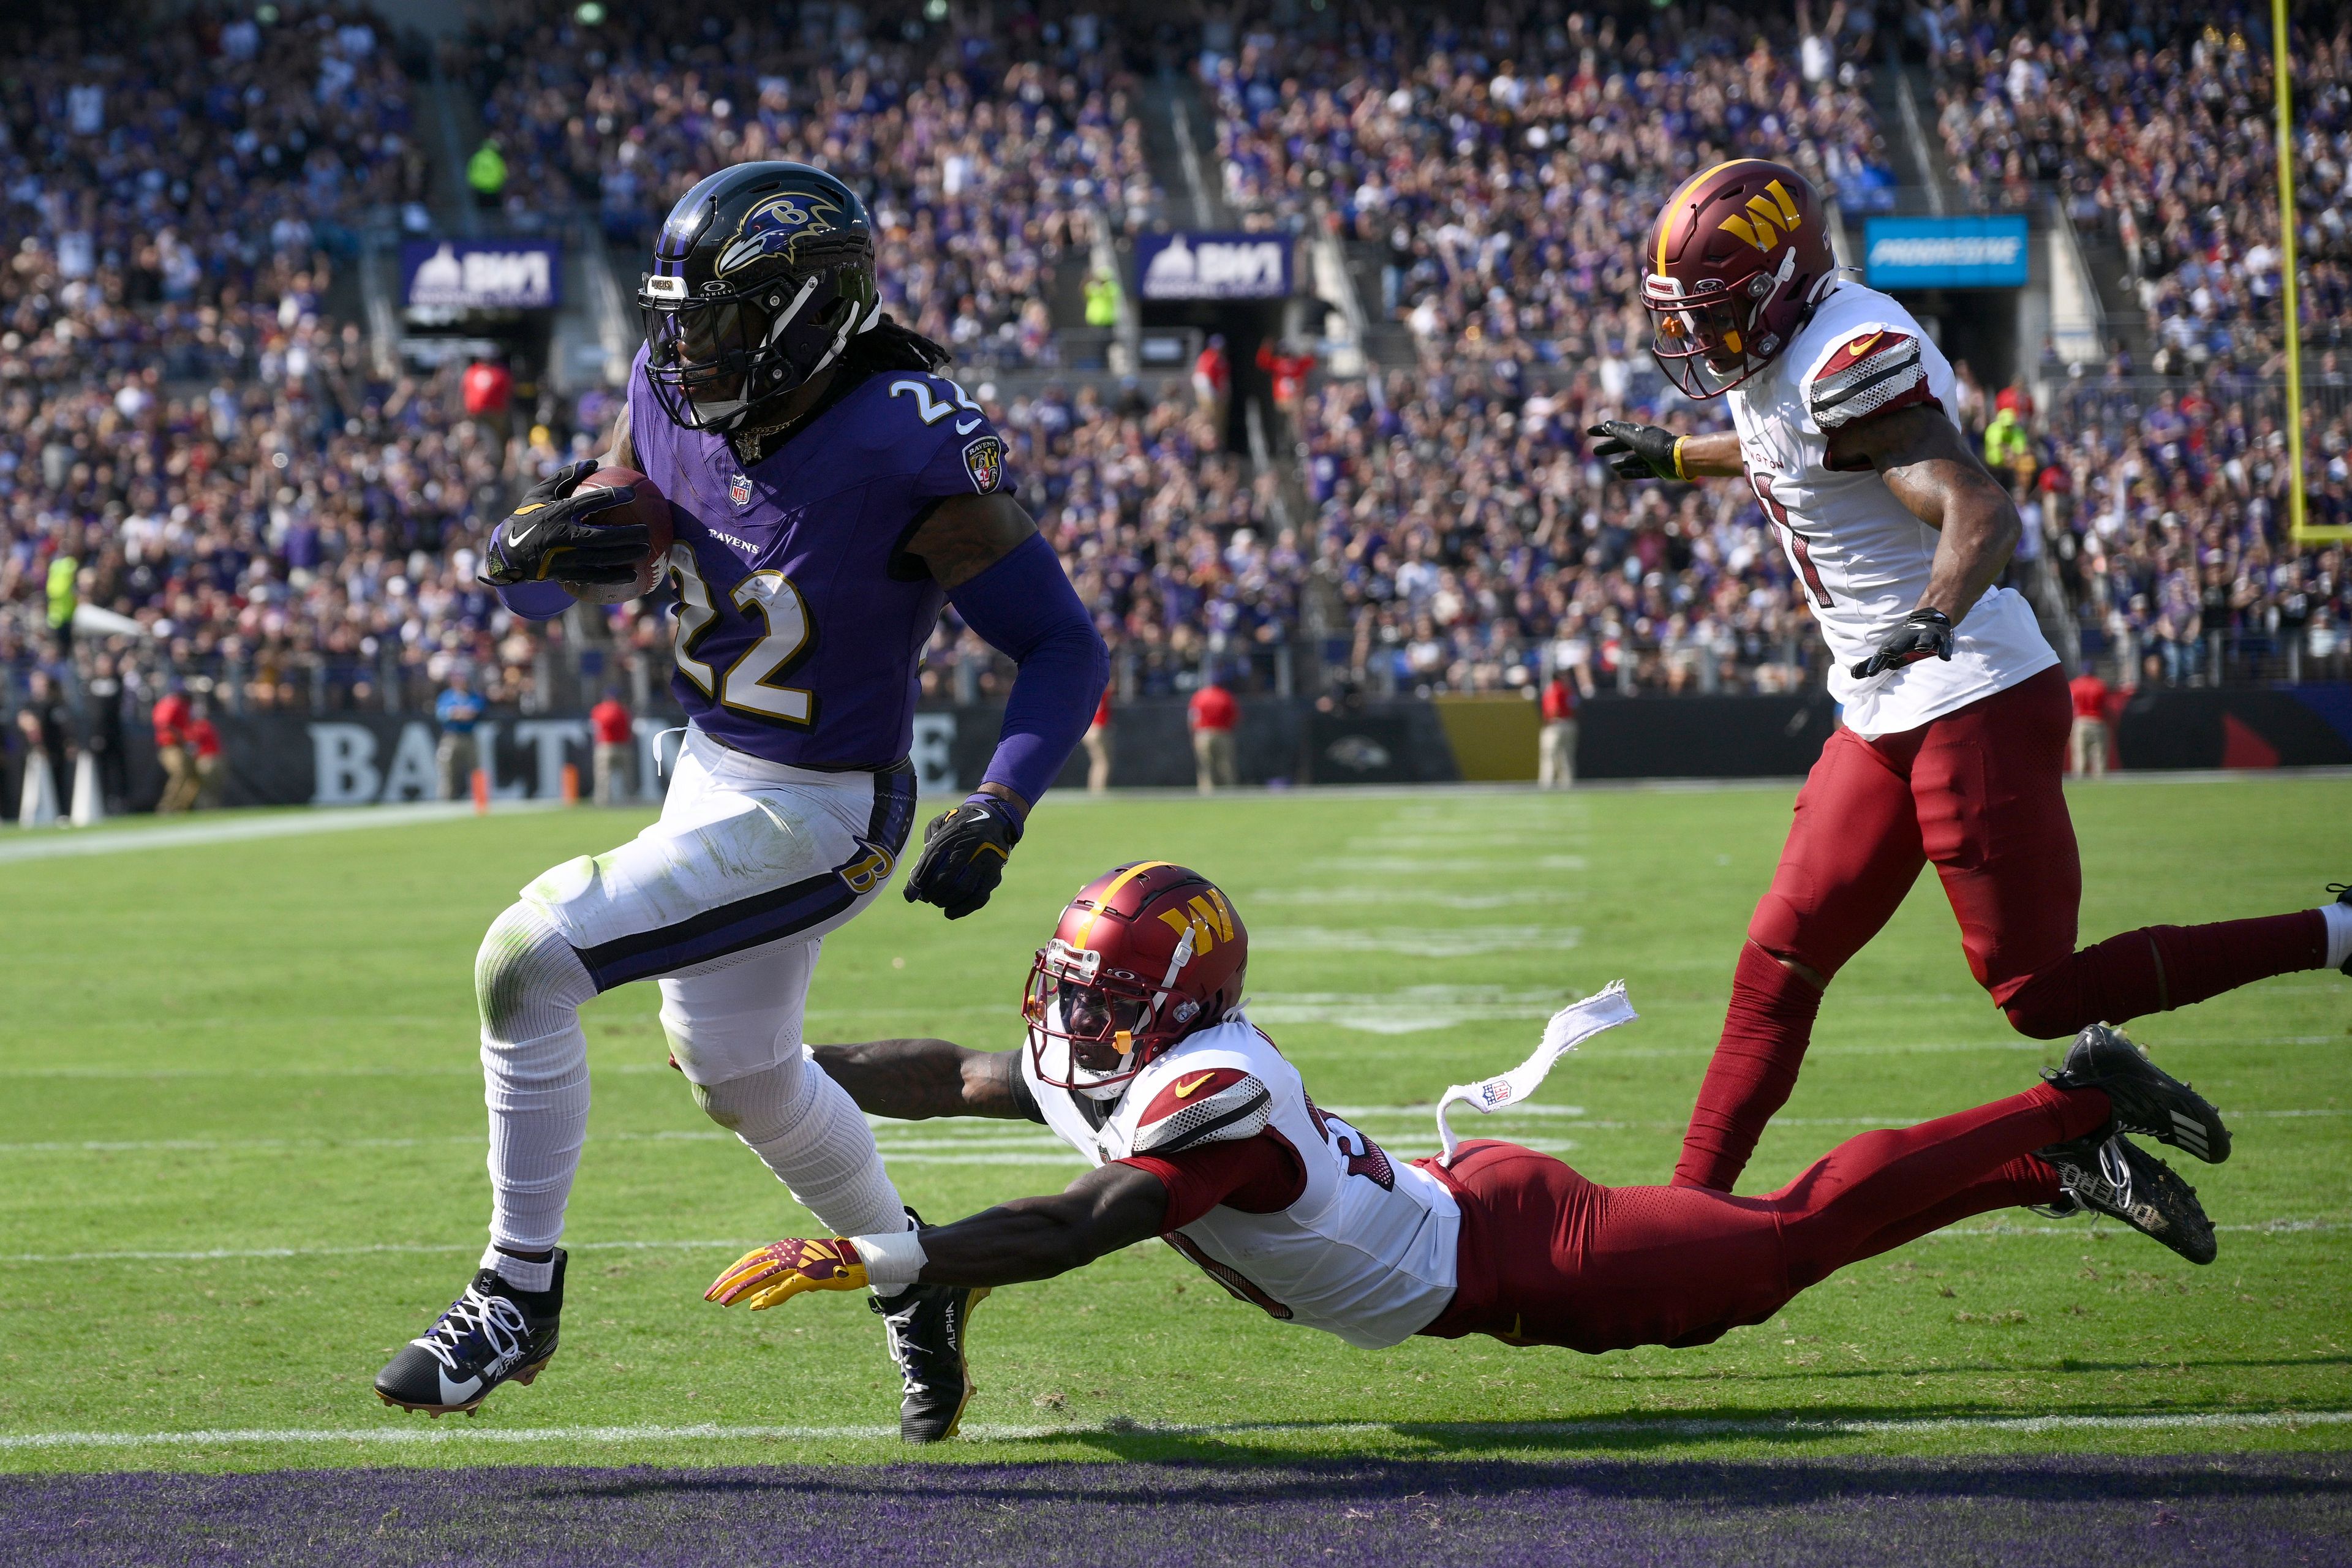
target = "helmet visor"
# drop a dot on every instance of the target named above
(699, 355)
(1088, 1036)
(1705, 346)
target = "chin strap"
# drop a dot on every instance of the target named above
(1568, 1028)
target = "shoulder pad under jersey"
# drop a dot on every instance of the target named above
(1868, 374)
(1204, 1105)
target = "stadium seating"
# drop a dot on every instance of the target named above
(987, 166)
(183, 415)
(2157, 134)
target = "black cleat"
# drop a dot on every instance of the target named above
(2147, 1099)
(2112, 1176)
(492, 1334)
(926, 1325)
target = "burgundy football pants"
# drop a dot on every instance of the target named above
(1978, 793)
(1550, 1258)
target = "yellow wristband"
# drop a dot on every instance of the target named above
(1679, 472)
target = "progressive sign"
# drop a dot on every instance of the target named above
(1944, 252)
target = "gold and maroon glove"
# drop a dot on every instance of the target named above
(783, 1269)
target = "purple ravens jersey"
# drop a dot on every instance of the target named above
(795, 641)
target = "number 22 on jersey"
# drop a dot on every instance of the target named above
(766, 599)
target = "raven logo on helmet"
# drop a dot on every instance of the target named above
(763, 274)
(773, 226)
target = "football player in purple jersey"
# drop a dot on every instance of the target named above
(830, 492)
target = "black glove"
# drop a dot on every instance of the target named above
(1637, 451)
(964, 851)
(548, 536)
(1923, 634)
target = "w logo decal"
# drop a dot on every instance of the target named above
(1208, 917)
(1769, 216)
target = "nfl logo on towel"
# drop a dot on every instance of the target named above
(738, 490)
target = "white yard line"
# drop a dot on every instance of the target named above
(468, 1068)
(947, 1144)
(224, 1254)
(1605, 1426)
(48, 844)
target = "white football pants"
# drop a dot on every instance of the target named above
(725, 900)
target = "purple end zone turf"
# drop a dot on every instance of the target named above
(2082, 1510)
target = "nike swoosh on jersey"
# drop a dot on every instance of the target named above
(1184, 1090)
(967, 427)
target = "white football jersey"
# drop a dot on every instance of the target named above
(1366, 1249)
(1861, 558)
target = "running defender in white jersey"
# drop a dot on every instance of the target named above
(1139, 1056)
(1863, 559)
(1955, 712)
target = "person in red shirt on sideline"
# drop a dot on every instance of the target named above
(2089, 741)
(615, 731)
(171, 750)
(205, 742)
(1289, 371)
(487, 387)
(1214, 714)
(1097, 745)
(1555, 757)
(1212, 377)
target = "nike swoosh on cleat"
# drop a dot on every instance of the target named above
(451, 1393)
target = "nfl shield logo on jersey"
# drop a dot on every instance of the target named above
(738, 490)
(984, 461)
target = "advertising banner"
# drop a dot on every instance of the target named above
(1213, 266)
(1944, 252)
(481, 274)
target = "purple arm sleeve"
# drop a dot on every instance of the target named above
(1025, 607)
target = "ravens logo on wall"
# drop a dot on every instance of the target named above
(984, 461)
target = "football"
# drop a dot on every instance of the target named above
(650, 506)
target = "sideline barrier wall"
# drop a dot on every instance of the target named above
(284, 759)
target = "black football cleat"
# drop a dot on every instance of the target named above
(492, 1334)
(2147, 1099)
(925, 1326)
(2113, 1177)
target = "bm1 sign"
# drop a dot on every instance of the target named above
(479, 274)
(1213, 266)
(1944, 252)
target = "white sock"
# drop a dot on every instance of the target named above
(521, 1272)
(530, 984)
(2339, 933)
(812, 1135)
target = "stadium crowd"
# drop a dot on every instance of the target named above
(2157, 128)
(190, 437)
(987, 163)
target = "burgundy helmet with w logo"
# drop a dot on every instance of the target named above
(1143, 956)
(1732, 269)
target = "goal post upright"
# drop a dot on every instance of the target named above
(2299, 528)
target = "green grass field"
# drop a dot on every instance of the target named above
(242, 1158)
